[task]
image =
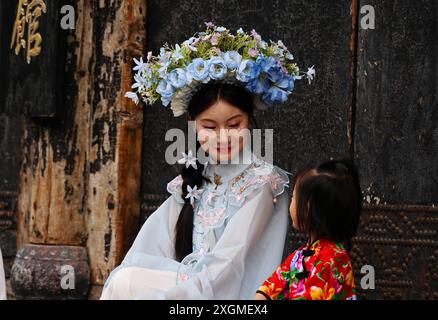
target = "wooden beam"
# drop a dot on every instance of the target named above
(116, 136)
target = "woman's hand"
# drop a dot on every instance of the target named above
(259, 296)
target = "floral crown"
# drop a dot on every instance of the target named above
(265, 69)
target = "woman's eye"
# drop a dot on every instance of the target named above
(209, 128)
(234, 125)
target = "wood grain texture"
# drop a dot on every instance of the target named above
(116, 131)
(80, 175)
(396, 141)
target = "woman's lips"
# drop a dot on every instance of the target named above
(224, 149)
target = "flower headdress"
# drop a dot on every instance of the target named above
(265, 69)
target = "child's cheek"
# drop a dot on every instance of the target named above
(293, 213)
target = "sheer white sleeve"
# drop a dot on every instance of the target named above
(153, 247)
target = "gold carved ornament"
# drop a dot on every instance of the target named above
(25, 34)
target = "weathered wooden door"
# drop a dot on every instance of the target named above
(374, 100)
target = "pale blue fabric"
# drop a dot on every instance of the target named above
(239, 233)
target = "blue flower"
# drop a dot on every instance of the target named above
(166, 91)
(247, 71)
(221, 29)
(232, 59)
(275, 74)
(164, 55)
(286, 83)
(163, 70)
(178, 78)
(259, 85)
(275, 95)
(217, 68)
(199, 70)
(265, 63)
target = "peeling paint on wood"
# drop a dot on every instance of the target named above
(116, 135)
(80, 176)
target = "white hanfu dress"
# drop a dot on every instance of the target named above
(240, 226)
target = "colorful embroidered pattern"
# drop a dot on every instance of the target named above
(329, 275)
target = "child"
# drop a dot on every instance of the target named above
(326, 206)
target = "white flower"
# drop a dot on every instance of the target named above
(289, 56)
(193, 194)
(140, 65)
(140, 82)
(263, 44)
(189, 43)
(310, 73)
(133, 96)
(177, 55)
(188, 159)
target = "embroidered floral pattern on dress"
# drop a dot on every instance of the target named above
(257, 175)
(213, 209)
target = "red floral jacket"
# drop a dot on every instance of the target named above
(327, 275)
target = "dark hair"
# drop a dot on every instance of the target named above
(329, 200)
(205, 97)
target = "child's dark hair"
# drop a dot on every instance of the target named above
(202, 100)
(329, 200)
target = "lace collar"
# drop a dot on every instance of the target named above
(227, 171)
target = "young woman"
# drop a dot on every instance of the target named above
(224, 242)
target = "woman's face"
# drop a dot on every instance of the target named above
(222, 130)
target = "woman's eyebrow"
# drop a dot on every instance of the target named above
(235, 116)
(206, 119)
